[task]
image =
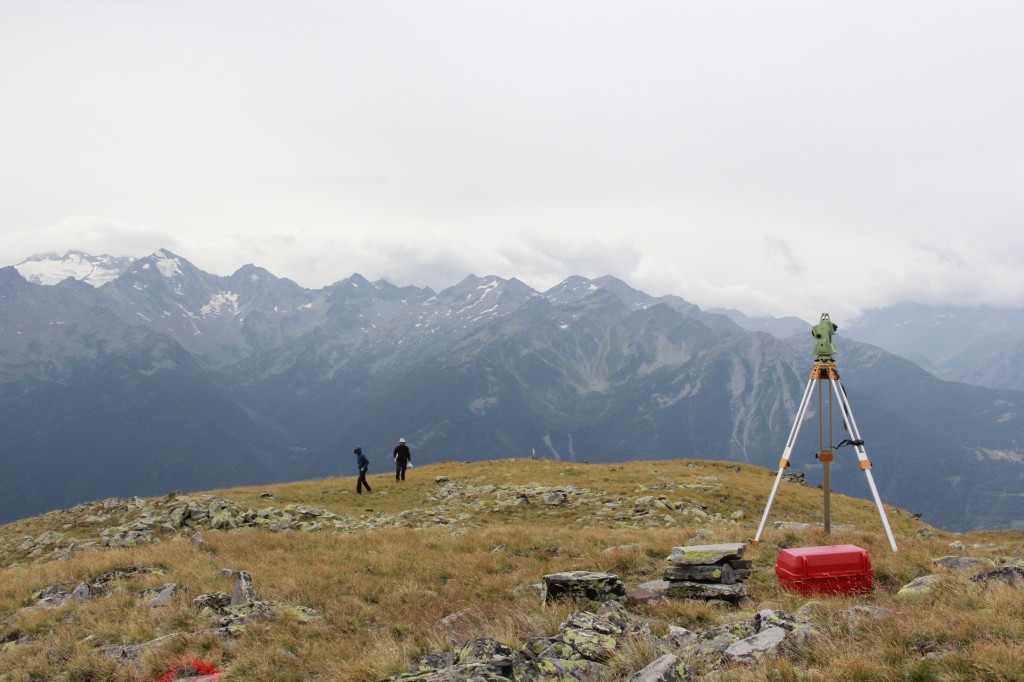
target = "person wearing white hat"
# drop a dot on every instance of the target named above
(402, 459)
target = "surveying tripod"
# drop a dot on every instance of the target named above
(825, 371)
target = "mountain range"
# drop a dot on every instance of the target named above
(139, 376)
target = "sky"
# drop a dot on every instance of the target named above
(783, 158)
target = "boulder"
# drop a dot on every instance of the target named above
(919, 587)
(595, 638)
(775, 633)
(648, 593)
(749, 649)
(215, 601)
(488, 654)
(159, 596)
(1008, 574)
(628, 624)
(668, 668)
(586, 585)
(711, 640)
(858, 614)
(245, 590)
(560, 670)
(960, 564)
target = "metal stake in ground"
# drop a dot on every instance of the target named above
(824, 370)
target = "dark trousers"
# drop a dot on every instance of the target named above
(400, 469)
(361, 483)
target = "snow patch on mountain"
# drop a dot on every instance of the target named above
(50, 269)
(225, 301)
(167, 265)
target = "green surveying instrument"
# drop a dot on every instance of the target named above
(825, 371)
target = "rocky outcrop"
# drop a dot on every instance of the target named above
(231, 613)
(102, 585)
(130, 522)
(586, 643)
(770, 632)
(579, 651)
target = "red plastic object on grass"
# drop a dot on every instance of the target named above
(832, 569)
(193, 669)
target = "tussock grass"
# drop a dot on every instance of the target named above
(390, 595)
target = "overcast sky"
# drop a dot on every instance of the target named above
(783, 158)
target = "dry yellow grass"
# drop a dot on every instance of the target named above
(390, 595)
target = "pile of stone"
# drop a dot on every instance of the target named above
(708, 572)
(585, 646)
(232, 612)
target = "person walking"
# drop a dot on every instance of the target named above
(364, 465)
(402, 459)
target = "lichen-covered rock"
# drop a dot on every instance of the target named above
(960, 564)
(919, 587)
(159, 596)
(178, 516)
(559, 649)
(749, 649)
(490, 654)
(857, 615)
(725, 573)
(436, 661)
(535, 646)
(223, 519)
(716, 639)
(769, 632)
(215, 601)
(1012, 575)
(668, 668)
(559, 670)
(695, 555)
(584, 585)
(245, 590)
(591, 645)
(705, 591)
(628, 624)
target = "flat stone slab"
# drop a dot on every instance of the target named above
(693, 590)
(703, 555)
(589, 585)
(647, 593)
(718, 573)
(960, 564)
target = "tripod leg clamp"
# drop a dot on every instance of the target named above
(865, 464)
(783, 463)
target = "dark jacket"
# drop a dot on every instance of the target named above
(402, 454)
(362, 461)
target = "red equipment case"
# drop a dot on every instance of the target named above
(833, 569)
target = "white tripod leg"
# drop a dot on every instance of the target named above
(784, 462)
(862, 455)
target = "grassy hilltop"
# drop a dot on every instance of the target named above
(453, 553)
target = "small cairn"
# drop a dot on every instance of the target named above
(708, 572)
